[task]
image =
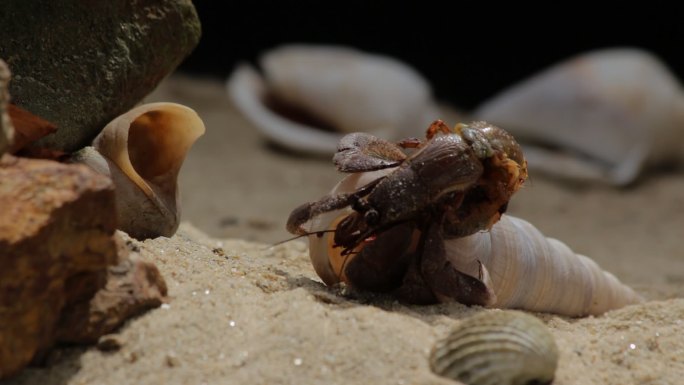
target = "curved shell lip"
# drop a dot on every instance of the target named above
(116, 147)
(319, 252)
(318, 246)
(247, 90)
(112, 143)
(331, 96)
(142, 151)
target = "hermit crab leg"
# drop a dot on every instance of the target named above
(309, 210)
(381, 262)
(439, 127)
(445, 281)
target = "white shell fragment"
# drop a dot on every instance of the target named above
(497, 348)
(601, 116)
(142, 151)
(338, 90)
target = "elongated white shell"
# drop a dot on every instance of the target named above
(497, 348)
(349, 90)
(143, 151)
(609, 113)
(524, 269)
(529, 271)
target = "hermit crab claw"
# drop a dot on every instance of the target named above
(142, 151)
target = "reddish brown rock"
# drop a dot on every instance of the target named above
(133, 286)
(27, 128)
(64, 275)
(56, 226)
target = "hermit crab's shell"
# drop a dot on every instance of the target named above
(328, 260)
(522, 268)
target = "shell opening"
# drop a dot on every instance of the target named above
(158, 141)
(338, 260)
(279, 105)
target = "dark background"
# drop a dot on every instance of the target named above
(467, 50)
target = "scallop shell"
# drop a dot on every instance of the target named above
(337, 89)
(601, 116)
(497, 348)
(142, 151)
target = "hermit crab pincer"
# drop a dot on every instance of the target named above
(422, 219)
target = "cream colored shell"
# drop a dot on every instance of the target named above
(143, 151)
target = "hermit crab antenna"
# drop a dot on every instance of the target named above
(318, 233)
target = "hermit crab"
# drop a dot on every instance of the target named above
(421, 219)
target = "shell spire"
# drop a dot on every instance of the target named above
(528, 271)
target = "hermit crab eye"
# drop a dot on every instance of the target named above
(371, 216)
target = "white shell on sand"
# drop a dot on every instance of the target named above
(600, 116)
(142, 151)
(344, 89)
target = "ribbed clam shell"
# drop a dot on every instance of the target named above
(497, 348)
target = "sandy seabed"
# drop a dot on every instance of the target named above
(243, 312)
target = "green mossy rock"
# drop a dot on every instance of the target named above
(81, 63)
